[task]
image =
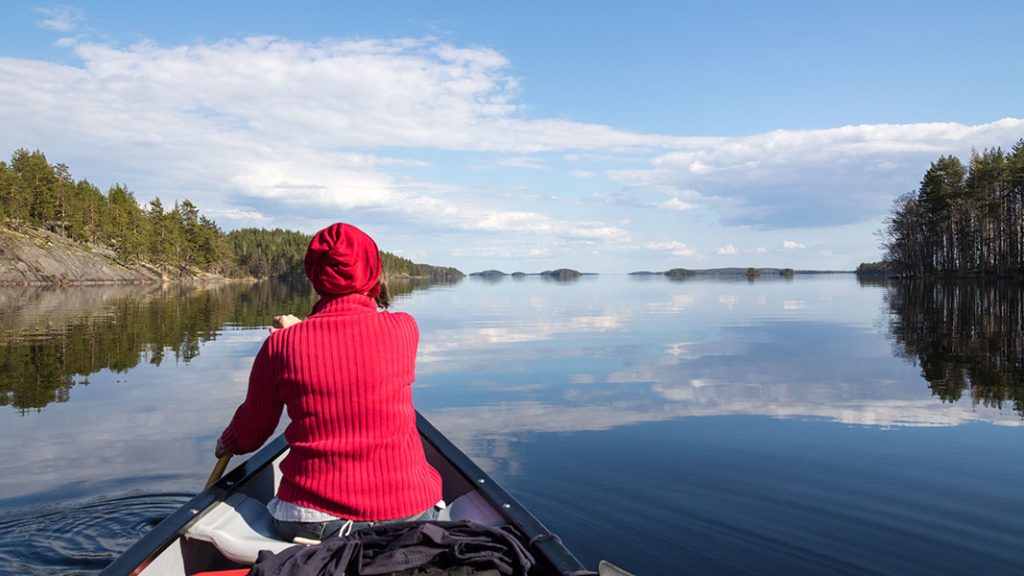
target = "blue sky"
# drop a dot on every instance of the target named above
(523, 136)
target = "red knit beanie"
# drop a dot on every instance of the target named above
(342, 259)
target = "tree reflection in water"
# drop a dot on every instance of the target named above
(967, 337)
(52, 339)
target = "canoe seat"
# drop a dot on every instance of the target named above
(241, 526)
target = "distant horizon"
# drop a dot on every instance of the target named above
(705, 135)
(737, 269)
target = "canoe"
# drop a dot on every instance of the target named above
(224, 527)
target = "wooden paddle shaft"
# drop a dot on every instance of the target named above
(218, 469)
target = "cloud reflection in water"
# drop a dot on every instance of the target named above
(811, 349)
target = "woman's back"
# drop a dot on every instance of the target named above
(345, 376)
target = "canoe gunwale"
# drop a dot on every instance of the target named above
(539, 538)
(140, 554)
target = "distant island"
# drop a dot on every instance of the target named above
(561, 274)
(564, 274)
(56, 230)
(751, 273)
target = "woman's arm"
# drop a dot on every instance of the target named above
(257, 417)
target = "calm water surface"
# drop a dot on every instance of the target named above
(812, 426)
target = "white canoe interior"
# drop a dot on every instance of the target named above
(233, 531)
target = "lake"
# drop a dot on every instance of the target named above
(817, 425)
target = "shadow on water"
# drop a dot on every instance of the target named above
(967, 337)
(54, 338)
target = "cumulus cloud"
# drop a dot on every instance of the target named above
(675, 248)
(791, 245)
(811, 178)
(246, 216)
(727, 250)
(469, 216)
(266, 121)
(270, 126)
(676, 204)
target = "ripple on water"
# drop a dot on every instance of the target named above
(79, 537)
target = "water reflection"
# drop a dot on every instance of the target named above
(967, 337)
(769, 423)
(54, 338)
(538, 360)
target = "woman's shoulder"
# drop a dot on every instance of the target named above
(402, 321)
(397, 316)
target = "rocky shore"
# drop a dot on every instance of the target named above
(37, 257)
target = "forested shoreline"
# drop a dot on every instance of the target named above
(962, 221)
(37, 195)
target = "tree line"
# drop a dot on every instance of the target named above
(280, 254)
(962, 220)
(37, 194)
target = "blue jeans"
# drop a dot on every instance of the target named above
(323, 530)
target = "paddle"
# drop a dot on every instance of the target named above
(218, 469)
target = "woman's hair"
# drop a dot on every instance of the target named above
(383, 298)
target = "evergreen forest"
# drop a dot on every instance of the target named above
(962, 221)
(37, 194)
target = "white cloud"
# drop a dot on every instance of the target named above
(727, 250)
(246, 216)
(467, 216)
(760, 250)
(676, 204)
(271, 126)
(675, 248)
(791, 245)
(521, 162)
(811, 178)
(266, 121)
(59, 18)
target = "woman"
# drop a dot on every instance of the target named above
(344, 374)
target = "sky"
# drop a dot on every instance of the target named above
(602, 136)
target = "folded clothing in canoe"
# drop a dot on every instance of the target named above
(419, 548)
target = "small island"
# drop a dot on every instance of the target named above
(489, 274)
(680, 273)
(560, 274)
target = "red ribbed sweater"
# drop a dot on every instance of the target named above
(345, 376)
